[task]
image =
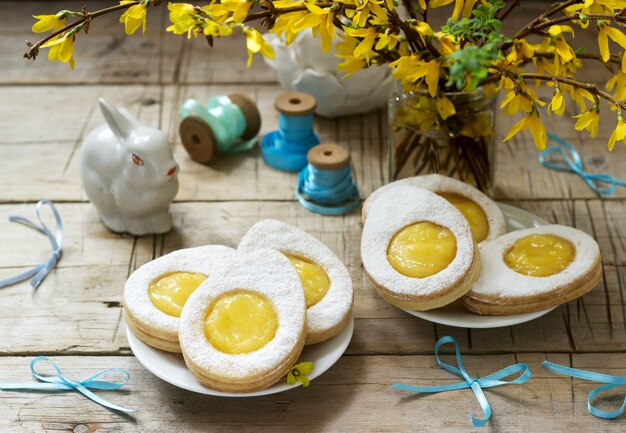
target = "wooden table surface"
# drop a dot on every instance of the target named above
(76, 316)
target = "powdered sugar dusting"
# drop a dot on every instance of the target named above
(496, 279)
(332, 309)
(402, 206)
(203, 260)
(441, 184)
(266, 272)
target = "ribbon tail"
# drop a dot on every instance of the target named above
(95, 398)
(584, 374)
(484, 405)
(601, 413)
(20, 277)
(431, 389)
(44, 270)
(35, 386)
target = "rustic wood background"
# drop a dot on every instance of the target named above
(75, 316)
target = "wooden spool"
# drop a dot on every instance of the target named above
(199, 139)
(295, 103)
(328, 156)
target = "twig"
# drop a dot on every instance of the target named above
(34, 48)
(509, 8)
(591, 88)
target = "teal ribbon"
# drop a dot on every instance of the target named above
(225, 119)
(40, 271)
(62, 383)
(610, 381)
(286, 148)
(327, 192)
(475, 384)
(572, 163)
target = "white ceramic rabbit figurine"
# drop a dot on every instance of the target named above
(129, 173)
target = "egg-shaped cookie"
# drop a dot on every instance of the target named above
(534, 269)
(418, 249)
(485, 218)
(154, 295)
(244, 327)
(326, 281)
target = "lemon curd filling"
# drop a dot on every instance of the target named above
(170, 292)
(473, 213)
(540, 255)
(421, 250)
(240, 322)
(313, 279)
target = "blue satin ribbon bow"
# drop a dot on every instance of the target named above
(40, 271)
(62, 383)
(572, 163)
(610, 381)
(475, 384)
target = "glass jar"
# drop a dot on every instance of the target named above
(424, 137)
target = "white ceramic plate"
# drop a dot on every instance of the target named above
(171, 367)
(455, 314)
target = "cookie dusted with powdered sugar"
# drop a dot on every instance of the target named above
(244, 327)
(534, 269)
(483, 214)
(418, 249)
(154, 295)
(326, 281)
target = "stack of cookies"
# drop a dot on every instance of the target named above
(430, 240)
(241, 317)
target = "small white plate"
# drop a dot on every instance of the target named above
(455, 314)
(171, 367)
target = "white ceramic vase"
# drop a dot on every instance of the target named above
(302, 66)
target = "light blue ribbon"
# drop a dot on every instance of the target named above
(40, 271)
(610, 381)
(225, 120)
(62, 383)
(572, 163)
(327, 192)
(286, 148)
(474, 384)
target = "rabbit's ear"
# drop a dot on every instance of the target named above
(121, 126)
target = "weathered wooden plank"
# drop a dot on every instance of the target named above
(519, 175)
(355, 395)
(105, 55)
(225, 62)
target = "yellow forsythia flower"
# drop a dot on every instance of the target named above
(409, 69)
(364, 10)
(61, 49)
(364, 47)
(558, 103)
(445, 107)
(588, 120)
(298, 373)
(532, 121)
(49, 22)
(285, 23)
(256, 44)
(386, 40)
(619, 134)
(239, 8)
(620, 80)
(134, 17)
(318, 20)
(345, 50)
(606, 32)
